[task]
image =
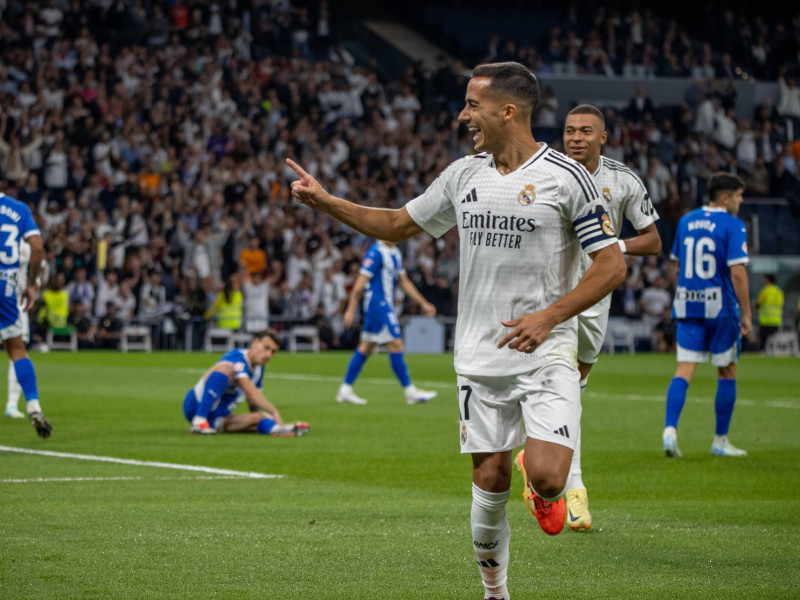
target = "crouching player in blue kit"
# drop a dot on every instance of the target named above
(238, 376)
(16, 224)
(711, 304)
(381, 271)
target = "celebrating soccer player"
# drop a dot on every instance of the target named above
(712, 305)
(524, 214)
(624, 195)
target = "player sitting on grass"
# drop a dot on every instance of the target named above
(238, 376)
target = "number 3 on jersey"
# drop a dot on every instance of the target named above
(9, 251)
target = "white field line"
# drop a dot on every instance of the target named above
(589, 395)
(70, 479)
(143, 463)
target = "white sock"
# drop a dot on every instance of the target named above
(670, 433)
(345, 388)
(490, 539)
(720, 440)
(33, 406)
(14, 388)
(583, 383)
(576, 481)
(197, 420)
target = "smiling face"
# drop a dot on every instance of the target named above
(584, 136)
(484, 115)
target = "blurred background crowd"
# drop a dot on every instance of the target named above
(148, 138)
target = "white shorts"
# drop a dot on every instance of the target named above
(491, 409)
(19, 328)
(591, 333)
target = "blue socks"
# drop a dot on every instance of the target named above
(354, 368)
(26, 377)
(723, 404)
(400, 369)
(265, 426)
(216, 384)
(676, 398)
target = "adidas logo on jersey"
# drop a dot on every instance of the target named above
(471, 197)
(562, 431)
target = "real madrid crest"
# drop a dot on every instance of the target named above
(608, 228)
(607, 195)
(527, 196)
(463, 434)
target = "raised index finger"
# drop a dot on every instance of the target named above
(296, 168)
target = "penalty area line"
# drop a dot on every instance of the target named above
(143, 463)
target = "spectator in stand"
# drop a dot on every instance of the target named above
(255, 301)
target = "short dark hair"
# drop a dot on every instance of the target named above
(512, 79)
(270, 333)
(770, 277)
(588, 109)
(723, 182)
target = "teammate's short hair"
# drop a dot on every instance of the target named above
(723, 182)
(770, 277)
(512, 79)
(588, 109)
(270, 333)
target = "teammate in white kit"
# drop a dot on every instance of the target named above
(381, 272)
(524, 214)
(624, 195)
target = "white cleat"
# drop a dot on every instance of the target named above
(727, 449)
(417, 396)
(670, 447)
(14, 413)
(349, 398)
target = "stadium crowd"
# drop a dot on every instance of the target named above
(148, 139)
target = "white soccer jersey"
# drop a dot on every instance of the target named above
(624, 194)
(521, 236)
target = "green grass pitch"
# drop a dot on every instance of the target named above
(374, 502)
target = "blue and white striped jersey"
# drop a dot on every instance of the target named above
(382, 265)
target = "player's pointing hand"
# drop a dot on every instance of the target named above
(306, 190)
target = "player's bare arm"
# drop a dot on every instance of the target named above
(428, 309)
(742, 288)
(34, 269)
(256, 398)
(604, 275)
(352, 302)
(645, 243)
(380, 223)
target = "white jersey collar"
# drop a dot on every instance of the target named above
(543, 147)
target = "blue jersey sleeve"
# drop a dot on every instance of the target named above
(736, 250)
(28, 226)
(372, 263)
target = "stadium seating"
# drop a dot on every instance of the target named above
(136, 337)
(303, 337)
(62, 338)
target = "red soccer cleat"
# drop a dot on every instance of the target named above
(549, 515)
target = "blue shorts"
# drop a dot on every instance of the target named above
(697, 338)
(380, 324)
(191, 404)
